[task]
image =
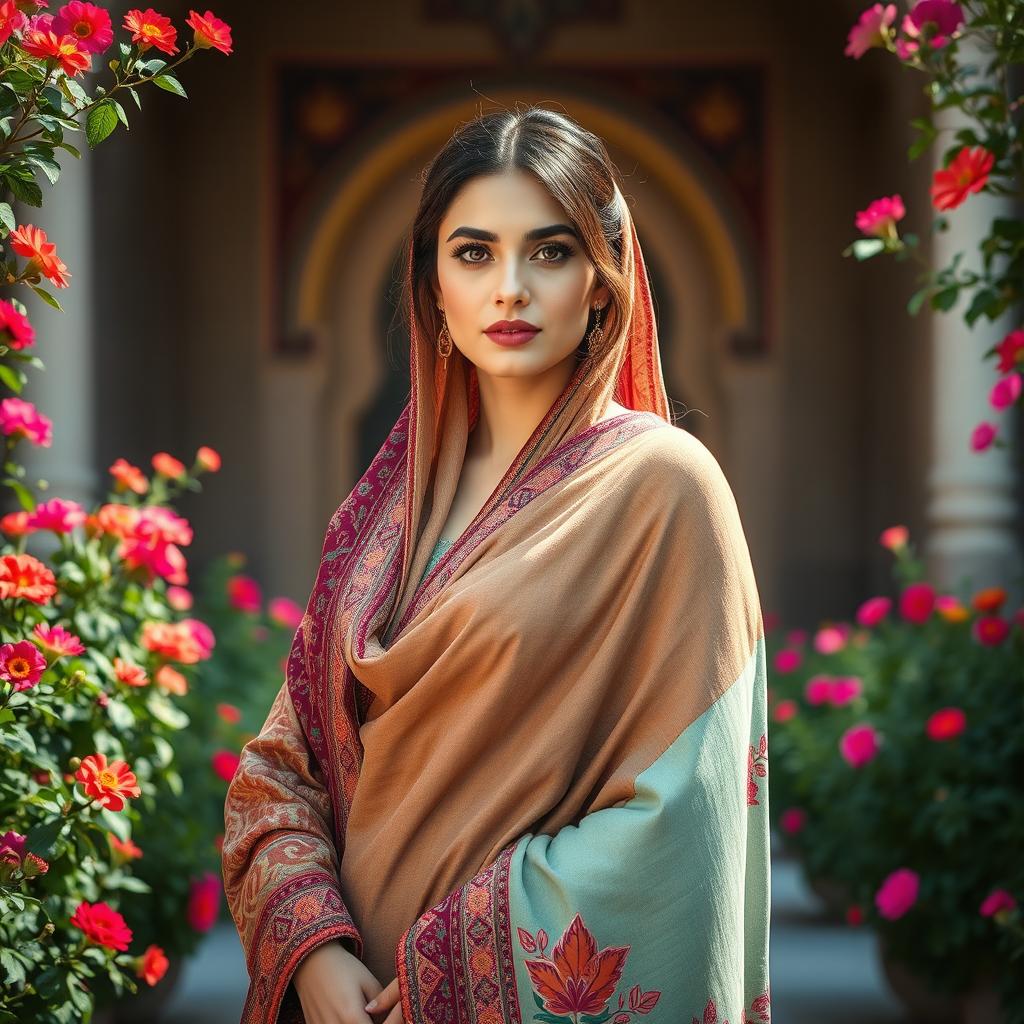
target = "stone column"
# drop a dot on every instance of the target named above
(972, 509)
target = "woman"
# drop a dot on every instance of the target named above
(516, 771)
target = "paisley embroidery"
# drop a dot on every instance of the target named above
(575, 984)
(757, 767)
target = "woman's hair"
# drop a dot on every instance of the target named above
(571, 162)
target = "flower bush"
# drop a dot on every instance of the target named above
(985, 155)
(897, 752)
(88, 638)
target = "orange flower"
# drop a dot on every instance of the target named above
(117, 520)
(171, 680)
(128, 477)
(967, 172)
(126, 672)
(48, 45)
(26, 577)
(15, 524)
(229, 713)
(152, 965)
(210, 31)
(107, 783)
(168, 465)
(126, 850)
(208, 459)
(991, 599)
(31, 242)
(151, 29)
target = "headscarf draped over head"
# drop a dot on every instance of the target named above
(530, 783)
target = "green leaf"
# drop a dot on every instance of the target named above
(102, 120)
(151, 67)
(135, 96)
(121, 115)
(170, 84)
(7, 715)
(917, 300)
(25, 498)
(14, 969)
(40, 838)
(14, 379)
(945, 300)
(118, 823)
(49, 167)
(7, 217)
(76, 153)
(25, 189)
(982, 302)
(47, 297)
(865, 248)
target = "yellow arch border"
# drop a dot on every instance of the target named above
(428, 132)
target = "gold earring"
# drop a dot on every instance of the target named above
(444, 340)
(596, 335)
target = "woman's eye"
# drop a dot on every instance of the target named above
(559, 251)
(473, 248)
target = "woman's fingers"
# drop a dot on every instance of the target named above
(388, 1000)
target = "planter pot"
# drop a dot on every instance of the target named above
(146, 1005)
(979, 1006)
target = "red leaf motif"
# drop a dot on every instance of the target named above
(760, 770)
(526, 940)
(622, 999)
(634, 997)
(542, 940)
(711, 1013)
(763, 747)
(603, 975)
(574, 950)
(649, 1001)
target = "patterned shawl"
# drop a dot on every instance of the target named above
(531, 785)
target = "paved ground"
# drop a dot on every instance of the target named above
(821, 973)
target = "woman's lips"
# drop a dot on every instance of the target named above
(510, 339)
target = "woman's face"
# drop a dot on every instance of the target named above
(489, 270)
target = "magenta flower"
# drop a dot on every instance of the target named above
(1005, 391)
(285, 612)
(818, 690)
(982, 436)
(859, 745)
(995, 902)
(12, 847)
(991, 630)
(898, 893)
(21, 664)
(917, 602)
(786, 710)
(879, 218)
(787, 660)
(244, 594)
(829, 640)
(19, 418)
(793, 820)
(57, 515)
(204, 902)
(945, 15)
(873, 611)
(89, 24)
(1011, 351)
(225, 764)
(870, 31)
(15, 330)
(57, 640)
(845, 689)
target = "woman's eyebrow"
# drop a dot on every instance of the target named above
(531, 236)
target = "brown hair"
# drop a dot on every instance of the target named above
(571, 162)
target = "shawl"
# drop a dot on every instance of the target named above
(532, 784)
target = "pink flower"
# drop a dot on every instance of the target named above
(945, 15)
(796, 637)
(225, 764)
(996, 901)
(285, 611)
(982, 436)
(57, 640)
(897, 894)
(19, 418)
(946, 724)
(894, 537)
(786, 710)
(89, 24)
(57, 515)
(179, 598)
(870, 31)
(787, 660)
(1005, 391)
(1011, 351)
(15, 330)
(230, 714)
(859, 744)
(21, 664)
(244, 594)
(845, 689)
(793, 820)
(991, 630)
(818, 690)
(879, 217)
(12, 847)
(873, 611)
(917, 602)
(829, 639)
(204, 902)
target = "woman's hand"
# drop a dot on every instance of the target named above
(333, 986)
(389, 999)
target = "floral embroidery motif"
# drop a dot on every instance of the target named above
(576, 983)
(757, 766)
(759, 1010)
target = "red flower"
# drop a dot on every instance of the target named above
(102, 925)
(244, 593)
(225, 764)
(15, 524)
(229, 713)
(917, 602)
(991, 599)
(109, 784)
(31, 242)
(204, 902)
(128, 477)
(967, 172)
(208, 459)
(26, 577)
(48, 45)
(151, 29)
(210, 31)
(131, 675)
(991, 630)
(10, 19)
(15, 330)
(57, 640)
(168, 465)
(171, 680)
(89, 24)
(126, 850)
(946, 724)
(152, 965)
(1010, 350)
(577, 979)
(785, 710)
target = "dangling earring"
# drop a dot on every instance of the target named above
(444, 341)
(596, 334)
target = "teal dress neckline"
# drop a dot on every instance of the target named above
(442, 545)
